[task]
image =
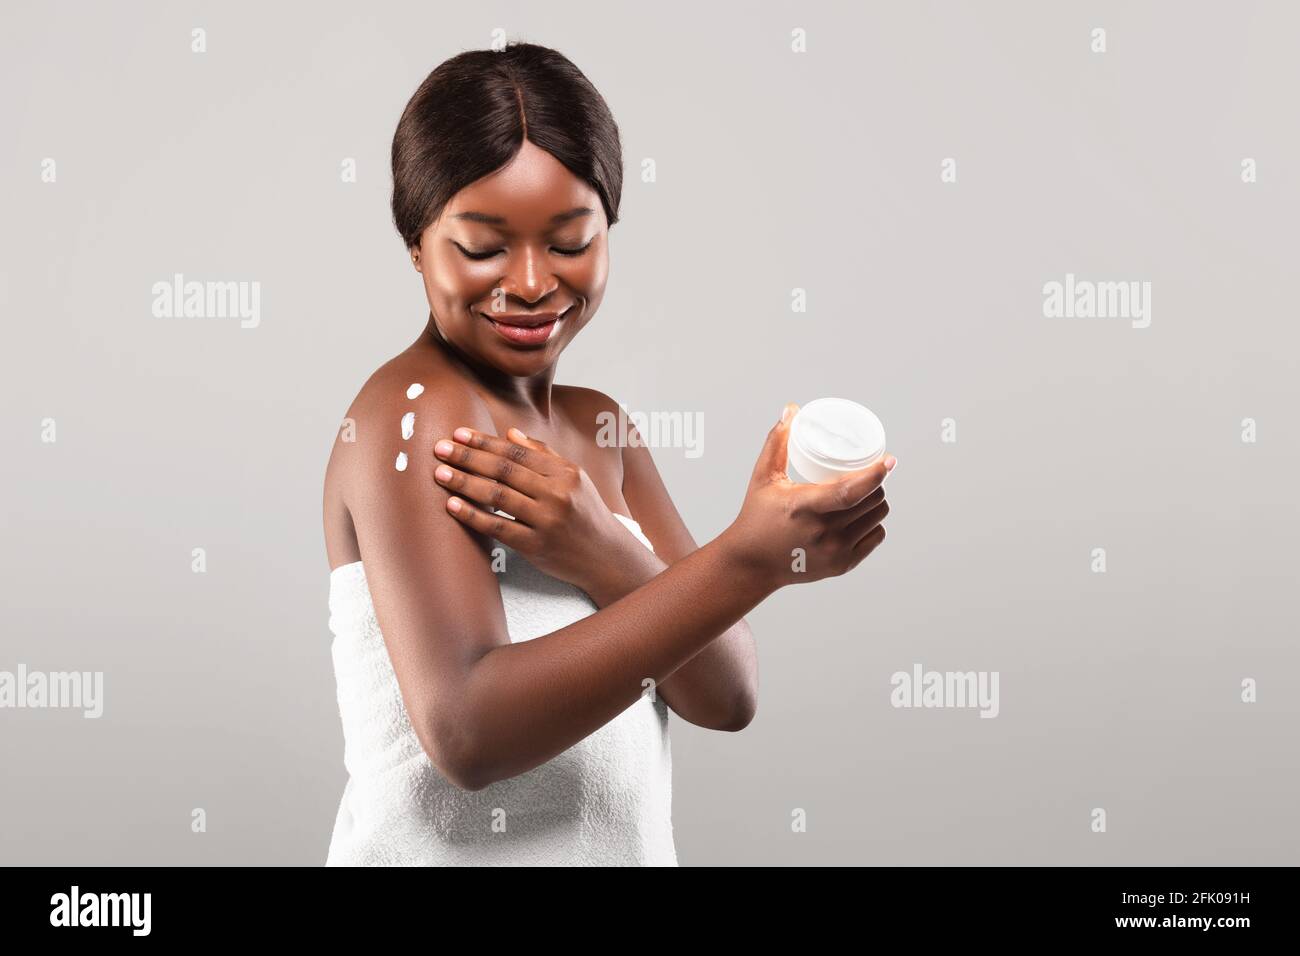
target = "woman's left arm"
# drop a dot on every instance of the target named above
(567, 531)
(718, 687)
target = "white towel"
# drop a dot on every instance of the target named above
(607, 800)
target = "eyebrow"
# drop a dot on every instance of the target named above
(558, 218)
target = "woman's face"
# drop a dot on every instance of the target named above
(526, 243)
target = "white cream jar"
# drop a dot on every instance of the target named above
(830, 437)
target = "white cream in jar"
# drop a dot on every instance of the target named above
(830, 437)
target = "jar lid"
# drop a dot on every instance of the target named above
(838, 433)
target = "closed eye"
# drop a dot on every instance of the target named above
(479, 256)
(576, 252)
(476, 255)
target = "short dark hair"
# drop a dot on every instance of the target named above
(471, 115)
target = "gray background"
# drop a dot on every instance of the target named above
(818, 171)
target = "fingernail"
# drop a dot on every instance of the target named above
(442, 448)
(890, 462)
(462, 434)
(442, 473)
(453, 504)
(785, 414)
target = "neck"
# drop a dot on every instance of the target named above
(529, 392)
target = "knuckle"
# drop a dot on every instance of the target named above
(837, 559)
(843, 496)
(504, 469)
(848, 552)
(516, 453)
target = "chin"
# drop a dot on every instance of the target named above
(524, 363)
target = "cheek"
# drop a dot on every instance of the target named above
(588, 276)
(588, 281)
(458, 284)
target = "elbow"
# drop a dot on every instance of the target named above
(742, 713)
(744, 700)
(467, 779)
(450, 748)
(463, 774)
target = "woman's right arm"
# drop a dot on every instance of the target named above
(486, 709)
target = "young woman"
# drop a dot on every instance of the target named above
(515, 604)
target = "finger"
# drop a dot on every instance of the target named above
(772, 459)
(517, 536)
(507, 470)
(867, 522)
(487, 493)
(846, 518)
(869, 542)
(519, 438)
(843, 493)
(530, 458)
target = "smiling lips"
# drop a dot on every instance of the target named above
(525, 328)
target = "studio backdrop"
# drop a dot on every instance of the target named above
(1052, 246)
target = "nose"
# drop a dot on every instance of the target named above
(528, 276)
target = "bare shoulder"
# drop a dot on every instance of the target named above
(590, 409)
(577, 395)
(392, 424)
(640, 484)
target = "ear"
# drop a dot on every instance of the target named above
(415, 259)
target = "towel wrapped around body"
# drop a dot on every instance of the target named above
(606, 801)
